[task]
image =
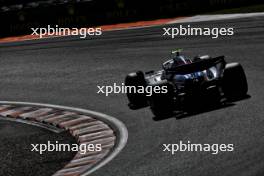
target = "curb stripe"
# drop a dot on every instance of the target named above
(88, 127)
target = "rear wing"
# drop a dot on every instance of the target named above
(197, 66)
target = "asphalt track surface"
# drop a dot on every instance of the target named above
(16, 155)
(66, 71)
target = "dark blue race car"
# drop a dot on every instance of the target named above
(190, 84)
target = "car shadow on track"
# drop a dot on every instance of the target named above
(202, 109)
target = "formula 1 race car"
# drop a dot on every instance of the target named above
(189, 83)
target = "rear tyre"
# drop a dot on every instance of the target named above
(162, 104)
(136, 100)
(234, 81)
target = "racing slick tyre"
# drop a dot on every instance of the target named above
(162, 104)
(136, 100)
(234, 81)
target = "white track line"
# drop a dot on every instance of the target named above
(201, 18)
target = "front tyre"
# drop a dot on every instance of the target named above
(234, 81)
